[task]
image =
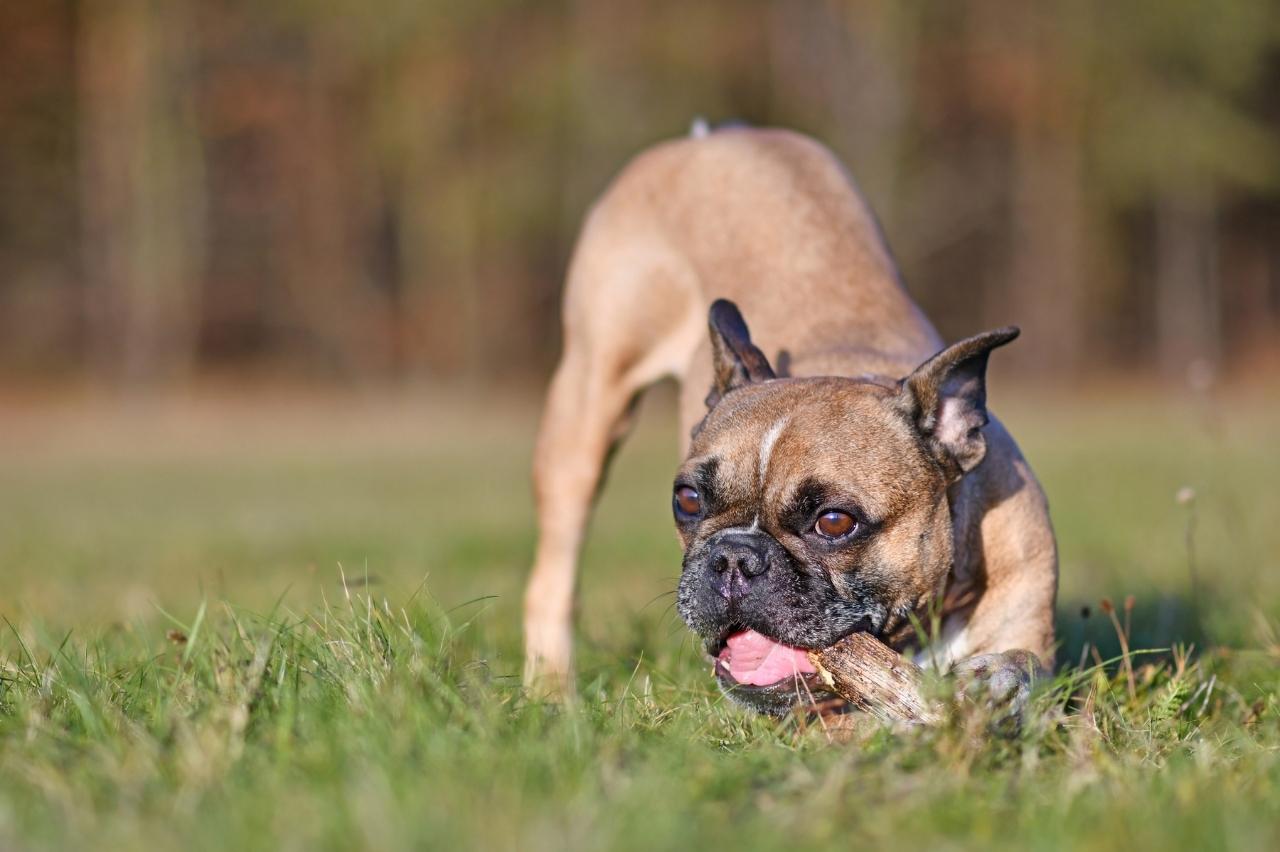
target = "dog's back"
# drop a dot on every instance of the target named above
(771, 221)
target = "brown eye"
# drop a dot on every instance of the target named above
(835, 524)
(688, 501)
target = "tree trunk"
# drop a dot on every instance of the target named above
(1045, 281)
(329, 281)
(142, 189)
(1188, 329)
(1045, 288)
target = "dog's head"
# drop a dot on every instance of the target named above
(811, 508)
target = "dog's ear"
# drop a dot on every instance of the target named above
(735, 360)
(946, 399)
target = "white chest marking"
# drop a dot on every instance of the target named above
(949, 647)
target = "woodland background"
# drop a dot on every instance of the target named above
(389, 191)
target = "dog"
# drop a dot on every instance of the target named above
(851, 479)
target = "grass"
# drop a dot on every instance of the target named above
(183, 666)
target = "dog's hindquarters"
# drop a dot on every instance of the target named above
(633, 314)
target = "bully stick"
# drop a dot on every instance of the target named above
(876, 679)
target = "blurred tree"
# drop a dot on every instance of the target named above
(142, 188)
(39, 299)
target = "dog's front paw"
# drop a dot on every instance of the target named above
(998, 683)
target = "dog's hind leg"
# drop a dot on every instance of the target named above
(627, 324)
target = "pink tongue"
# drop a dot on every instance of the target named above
(755, 659)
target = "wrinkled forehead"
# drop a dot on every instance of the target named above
(764, 441)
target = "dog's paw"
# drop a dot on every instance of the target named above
(1000, 684)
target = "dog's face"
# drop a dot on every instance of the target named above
(812, 508)
(808, 510)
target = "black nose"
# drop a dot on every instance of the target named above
(740, 554)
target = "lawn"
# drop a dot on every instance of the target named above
(293, 623)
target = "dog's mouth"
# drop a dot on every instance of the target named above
(764, 673)
(749, 658)
(767, 675)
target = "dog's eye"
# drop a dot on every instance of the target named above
(688, 501)
(835, 524)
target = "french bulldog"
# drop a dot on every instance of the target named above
(842, 471)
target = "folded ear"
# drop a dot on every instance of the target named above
(946, 399)
(735, 360)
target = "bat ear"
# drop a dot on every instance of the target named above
(946, 399)
(735, 360)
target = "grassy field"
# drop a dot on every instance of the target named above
(183, 665)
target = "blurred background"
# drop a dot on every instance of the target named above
(386, 191)
(279, 281)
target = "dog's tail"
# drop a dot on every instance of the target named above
(700, 128)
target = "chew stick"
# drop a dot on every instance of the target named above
(875, 678)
